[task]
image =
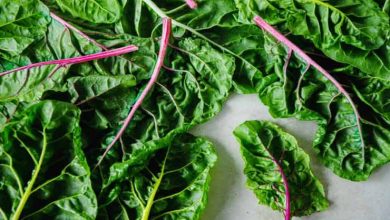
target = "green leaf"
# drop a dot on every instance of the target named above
(22, 22)
(189, 91)
(348, 31)
(385, 5)
(163, 179)
(352, 145)
(95, 11)
(29, 85)
(272, 160)
(83, 89)
(43, 171)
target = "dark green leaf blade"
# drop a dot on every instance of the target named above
(22, 22)
(348, 31)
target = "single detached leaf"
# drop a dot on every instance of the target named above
(95, 11)
(43, 171)
(22, 22)
(163, 179)
(278, 171)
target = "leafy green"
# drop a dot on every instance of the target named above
(163, 179)
(278, 171)
(348, 31)
(290, 89)
(95, 11)
(44, 173)
(22, 22)
(83, 89)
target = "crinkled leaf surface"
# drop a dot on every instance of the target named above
(95, 11)
(307, 95)
(44, 173)
(290, 89)
(348, 31)
(22, 22)
(163, 179)
(268, 152)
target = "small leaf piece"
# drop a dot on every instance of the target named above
(273, 157)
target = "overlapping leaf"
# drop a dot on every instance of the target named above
(163, 179)
(94, 11)
(22, 22)
(44, 173)
(348, 31)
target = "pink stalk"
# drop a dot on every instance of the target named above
(192, 4)
(280, 37)
(73, 28)
(287, 211)
(167, 23)
(77, 60)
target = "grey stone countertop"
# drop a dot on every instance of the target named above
(229, 199)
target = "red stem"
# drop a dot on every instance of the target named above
(77, 60)
(280, 37)
(192, 4)
(73, 28)
(167, 23)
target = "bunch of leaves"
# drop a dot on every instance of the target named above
(278, 171)
(211, 49)
(353, 134)
(348, 31)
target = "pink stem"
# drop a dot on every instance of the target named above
(167, 23)
(73, 28)
(77, 60)
(287, 212)
(192, 4)
(280, 37)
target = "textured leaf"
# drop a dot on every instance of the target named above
(95, 11)
(348, 31)
(163, 179)
(292, 90)
(22, 22)
(83, 89)
(44, 173)
(278, 171)
(189, 92)
(29, 85)
(350, 151)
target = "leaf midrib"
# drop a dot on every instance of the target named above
(31, 183)
(149, 204)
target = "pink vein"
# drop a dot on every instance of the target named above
(167, 23)
(73, 28)
(77, 60)
(280, 37)
(192, 4)
(287, 213)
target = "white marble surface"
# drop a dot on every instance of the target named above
(229, 199)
